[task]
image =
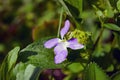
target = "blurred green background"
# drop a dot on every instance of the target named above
(23, 21)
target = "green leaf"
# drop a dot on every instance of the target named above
(73, 7)
(29, 71)
(25, 72)
(75, 67)
(109, 9)
(8, 63)
(98, 51)
(94, 72)
(110, 68)
(118, 5)
(36, 58)
(40, 56)
(18, 71)
(106, 6)
(112, 27)
(116, 76)
(12, 57)
(65, 7)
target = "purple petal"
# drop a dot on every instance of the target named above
(65, 29)
(59, 48)
(59, 58)
(73, 44)
(60, 52)
(51, 43)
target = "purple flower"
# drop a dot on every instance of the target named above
(61, 45)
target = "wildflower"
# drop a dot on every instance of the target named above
(61, 45)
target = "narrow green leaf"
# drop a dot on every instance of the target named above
(25, 72)
(65, 7)
(109, 9)
(18, 71)
(106, 6)
(76, 4)
(12, 57)
(74, 8)
(35, 74)
(112, 27)
(118, 5)
(116, 76)
(94, 72)
(40, 56)
(8, 63)
(29, 72)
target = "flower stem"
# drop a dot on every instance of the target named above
(60, 22)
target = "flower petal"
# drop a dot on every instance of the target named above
(59, 58)
(73, 44)
(51, 43)
(59, 48)
(60, 52)
(65, 29)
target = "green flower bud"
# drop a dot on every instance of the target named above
(83, 37)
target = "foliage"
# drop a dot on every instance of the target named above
(96, 25)
(93, 72)
(39, 56)
(8, 64)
